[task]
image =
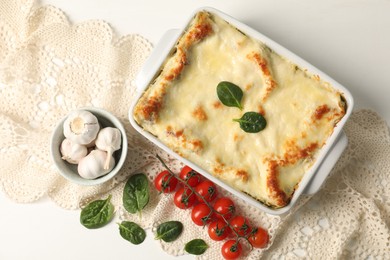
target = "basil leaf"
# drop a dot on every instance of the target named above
(97, 213)
(169, 231)
(252, 122)
(229, 94)
(132, 232)
(136, 193)
(196, 247)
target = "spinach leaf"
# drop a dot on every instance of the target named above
(196, 247)
(252, 122)
(136, 193)
(132, 232)
(97, 213)
(229, 94)
(169, 231)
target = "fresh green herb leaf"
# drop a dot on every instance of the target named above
(196, 247)
(229, 94)
(132, 232)
(136, 193)
(169, 231)
(252, 122)
(97, 214)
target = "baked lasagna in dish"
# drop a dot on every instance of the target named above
(182, 109)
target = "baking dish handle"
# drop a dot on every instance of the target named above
(327, 164)
(156, 58)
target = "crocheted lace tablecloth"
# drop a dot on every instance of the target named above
(49, 67)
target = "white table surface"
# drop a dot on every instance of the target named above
(347, 39)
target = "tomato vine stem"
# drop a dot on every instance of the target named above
(193, 191)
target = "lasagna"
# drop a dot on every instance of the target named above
(182, 109)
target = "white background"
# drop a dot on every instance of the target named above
(347, 39)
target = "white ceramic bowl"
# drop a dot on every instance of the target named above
(330, 152)
(69, 171)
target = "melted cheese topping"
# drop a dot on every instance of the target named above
(181, 108)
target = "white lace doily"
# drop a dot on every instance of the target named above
(49, 67)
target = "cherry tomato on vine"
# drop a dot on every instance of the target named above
(165, 182)
(207, 190)
(240, 225)
(258, 238)
(224, 206)
(218, 230)
(201, 214)
(184, 198)
(231, 249)
(190, 176)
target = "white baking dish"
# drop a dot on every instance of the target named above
(330, 152)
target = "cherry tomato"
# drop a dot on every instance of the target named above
(218, 230)
(258, 238)
(240, 225)
(184, 198)
(207, 189)
(225, 206)
(164, 182)
(231, 249)
(201, 214)
(190, 176)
